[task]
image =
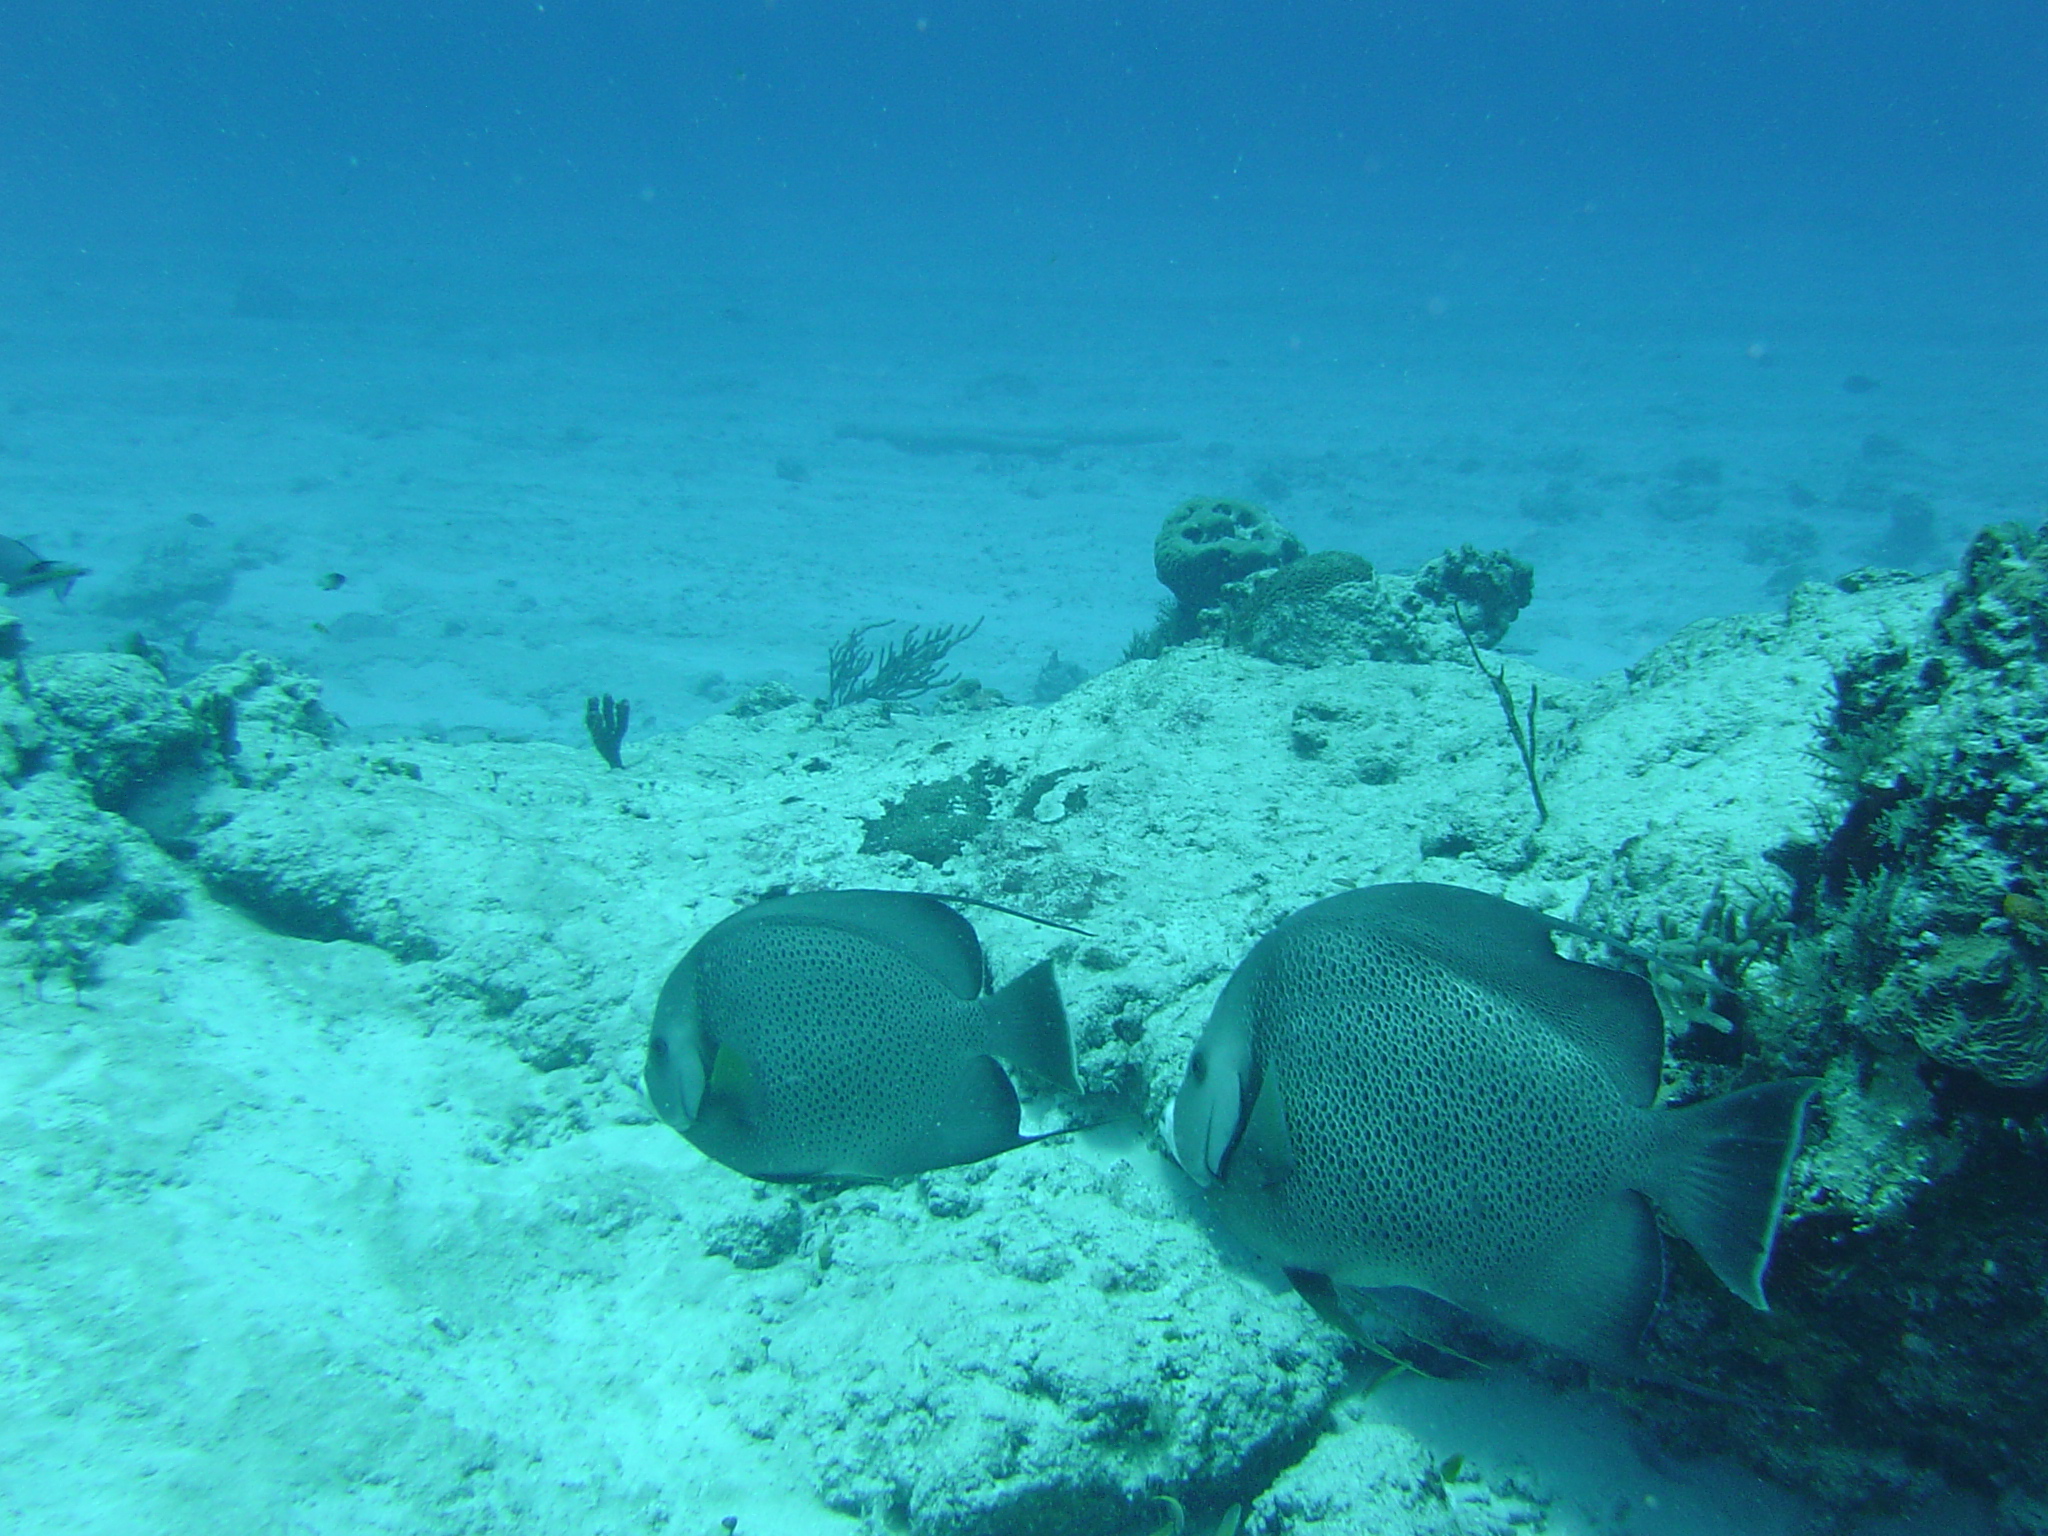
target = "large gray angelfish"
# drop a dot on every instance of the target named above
(849, 1034)
(1406, 1085)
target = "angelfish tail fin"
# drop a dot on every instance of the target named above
(1720, 1177)
(1028, 1026)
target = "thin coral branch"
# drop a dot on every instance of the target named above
(1525, 740)
(903, 670)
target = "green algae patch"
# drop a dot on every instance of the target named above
(932, 822)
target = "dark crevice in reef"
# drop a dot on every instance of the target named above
(306, 911)
(1901, 1339)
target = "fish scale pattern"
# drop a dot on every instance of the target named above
(1439, 1133)
(801, 1002)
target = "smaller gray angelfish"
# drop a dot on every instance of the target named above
(849, 1034)
(1407, 1086)
(22, 570)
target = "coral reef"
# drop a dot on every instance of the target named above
(1928, 891)
(1056, 679)
(1487, 589)
(1208, 542)
(1836, 812)
(905, 669)
(1238, 576)
(1909, 968)
(1332, 607)
(1321, 608)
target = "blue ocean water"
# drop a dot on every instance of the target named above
(478, 355)
(1682, 302)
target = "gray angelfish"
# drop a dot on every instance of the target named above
(849, 1034)
(1406, 1085)
(22, 569)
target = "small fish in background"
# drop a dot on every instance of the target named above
(1406, 1085)
(332, 581)
(850, 1035)
(23, 570)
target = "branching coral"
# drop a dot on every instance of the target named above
(904, 669)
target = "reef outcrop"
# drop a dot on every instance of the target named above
(375, 1014)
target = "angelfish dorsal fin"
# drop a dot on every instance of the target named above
(925, 929)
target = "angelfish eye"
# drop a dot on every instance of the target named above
(658, 1048)
(1198, 1068)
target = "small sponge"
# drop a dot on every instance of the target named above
(1208, 542)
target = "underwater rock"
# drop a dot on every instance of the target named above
(968, 696)
(985, 1388)
(1487, 588)
(1367, 1479)
(764, 699)
(116, 719)
(1208, 542)
(1054, 1342)
(328, 842)
(761, 1237)
(23, 737)
(1911, 972)
(1332, 607)
(276, 711)
(1323, 608)
(73, 877)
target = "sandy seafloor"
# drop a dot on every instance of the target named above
(308, 1252)
(548, 471)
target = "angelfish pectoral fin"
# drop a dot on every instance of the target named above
(1265, 1152)
(732, 1080)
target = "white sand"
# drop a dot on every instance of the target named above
(546, 472)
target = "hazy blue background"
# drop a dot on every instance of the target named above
(134, 121)
(504, 308)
